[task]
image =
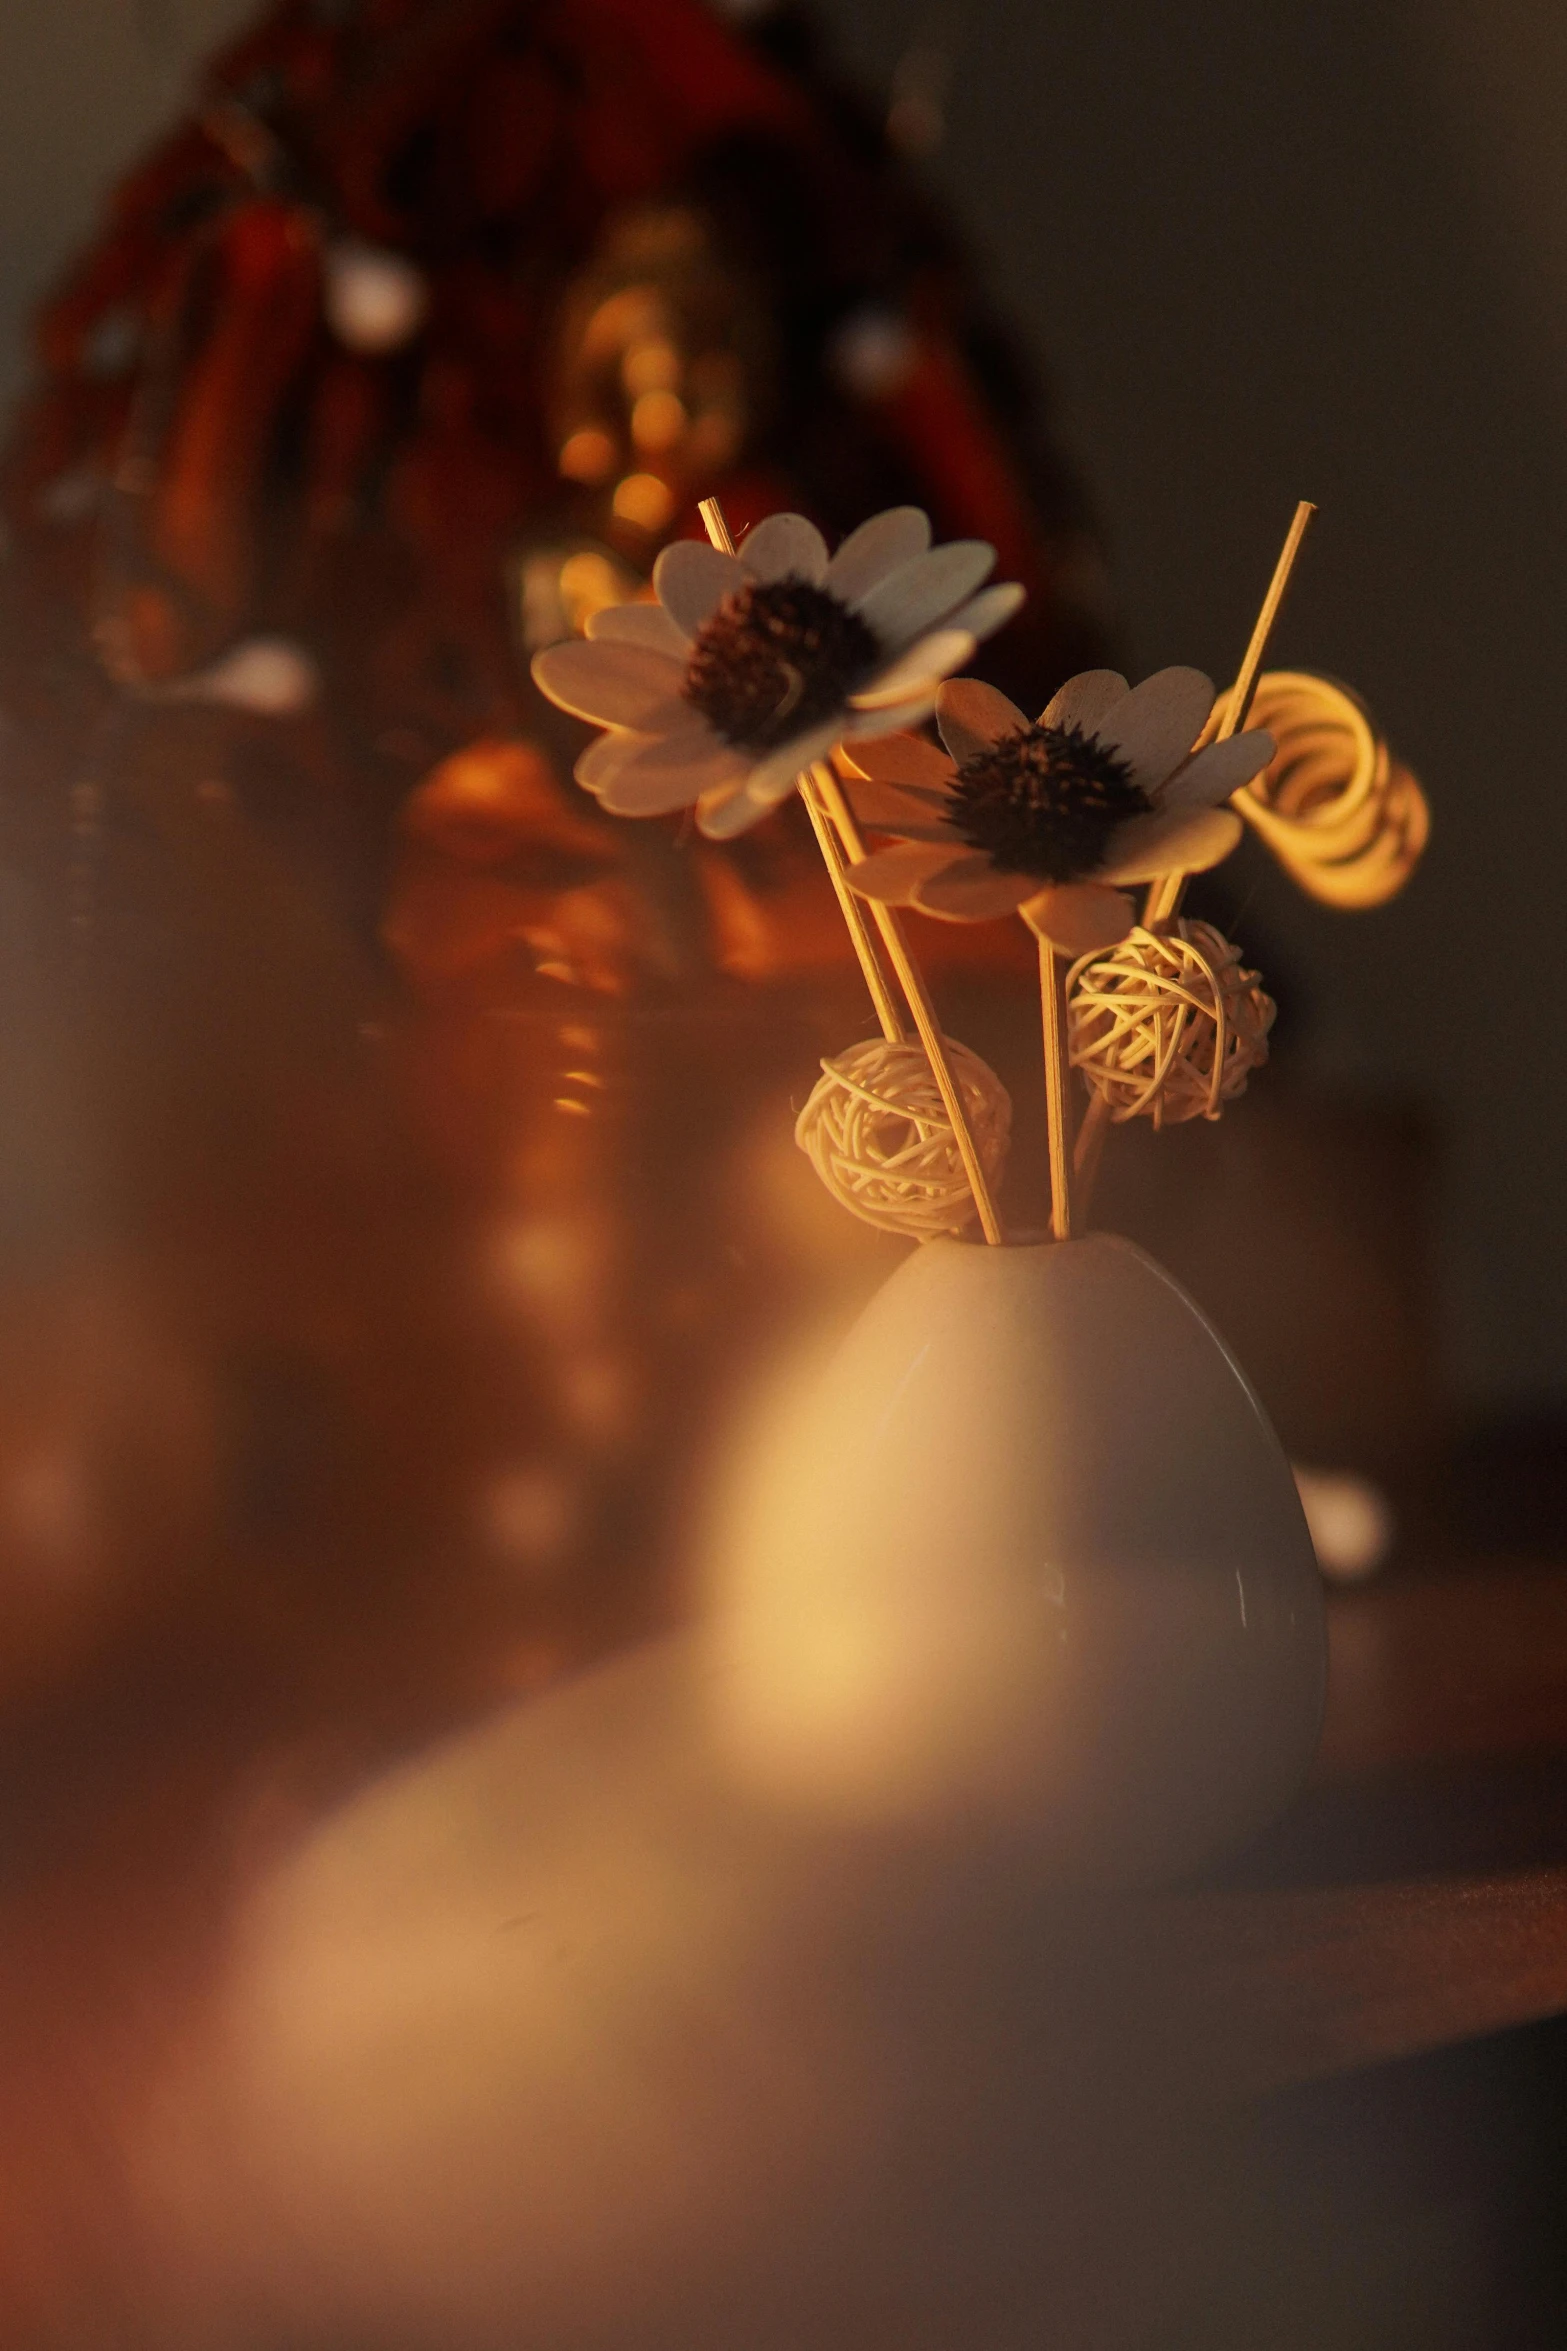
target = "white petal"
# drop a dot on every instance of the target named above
(990, 610)
(888, 808)
(972, 716)
(724, 814)
(782, 545)
(971, 890)
(607, 753)
(905, 759)
(639, 624)
(1187, 841)
(772, 779)
(893, 875)
(603, 755)
(917, 595)
(660, 775)
(882, 545)
(1078, 918)
(617, 685)
(710, 807)
(692, 579)
(861, 725)
(926, 663)
(1218, 771)
(1084, 700)
(1155, 725)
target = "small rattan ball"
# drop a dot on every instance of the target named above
(1168, 1025)
(877, 1133)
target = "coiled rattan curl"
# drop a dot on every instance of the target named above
(1168, 1025)
(877, 1134)
(1344, 818)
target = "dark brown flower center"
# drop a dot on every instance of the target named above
(776, 658)
(1045, 802)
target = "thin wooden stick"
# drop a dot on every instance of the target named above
(851, 908)
(1246, 678)
(1058, 1109)
(912, 983)
(715, 526)
(1091, 1133)
(1163, 902)
(822, 788)
(853, 911)
(1164, 895)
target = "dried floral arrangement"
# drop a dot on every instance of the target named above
(773, 668)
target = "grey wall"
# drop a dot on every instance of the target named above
(1316, 248)
(1320, 248)
(83, 84)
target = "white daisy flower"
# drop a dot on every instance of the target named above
(1052, 818)
(749, 666)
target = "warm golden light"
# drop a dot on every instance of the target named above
(589, 583)
(871, 1664)
(643, 499)
(658, 420)
(652, 366)
(587, 455)
(562, 587)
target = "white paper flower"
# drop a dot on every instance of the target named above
(750, 666)
(1052, 817)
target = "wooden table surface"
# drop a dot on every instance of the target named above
(1414, 1897)
(1416, 1894)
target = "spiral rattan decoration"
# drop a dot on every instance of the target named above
(1339, 812)
(877, 1134)
(1167, 1025)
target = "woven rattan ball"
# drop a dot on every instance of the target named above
(1167, 1025)
(877, 1133)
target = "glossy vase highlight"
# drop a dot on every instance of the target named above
(1029, 1552)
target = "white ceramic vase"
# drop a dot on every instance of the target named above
(1029, 1552)
(727, 1994)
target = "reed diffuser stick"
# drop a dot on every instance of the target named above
(838, 839)
(1164, 896)
(853, 911)
(849, 906)
(1058, 1108)
(1090, 1143)
(1163, 902)
(911, 981)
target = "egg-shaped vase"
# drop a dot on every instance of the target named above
(1028, 1552)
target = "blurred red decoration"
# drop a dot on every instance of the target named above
(400, 356)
